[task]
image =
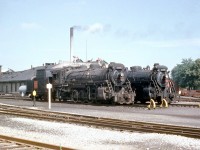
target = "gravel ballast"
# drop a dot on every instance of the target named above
(84, 137)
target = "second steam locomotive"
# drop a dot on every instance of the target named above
(152, 84)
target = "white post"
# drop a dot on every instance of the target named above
(49, 86)
(49, 98)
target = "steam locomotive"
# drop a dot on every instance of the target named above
(98, 83)
(111, 83)
(152, 84)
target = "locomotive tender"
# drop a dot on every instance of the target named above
(98, 83)
(152, 84)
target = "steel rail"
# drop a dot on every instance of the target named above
(14, 97)
(185, 105)
(7, 142)
(102, 122)
(134, 105)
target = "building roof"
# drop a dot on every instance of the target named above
(29, 74)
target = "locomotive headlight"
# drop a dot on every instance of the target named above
(162, 69)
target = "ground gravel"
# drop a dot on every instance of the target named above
(84, 137)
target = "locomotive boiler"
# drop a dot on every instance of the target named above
(151, 84)
(98, 84)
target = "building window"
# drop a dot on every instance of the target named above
(15, 87)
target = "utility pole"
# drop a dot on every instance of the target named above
(86, 50)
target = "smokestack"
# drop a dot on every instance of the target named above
(71, 41)
(0, 69)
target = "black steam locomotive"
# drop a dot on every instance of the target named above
(97, 83)
(152, 84)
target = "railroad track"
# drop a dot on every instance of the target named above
(197, 105)
(7, 142)
(197, 101)
(14, 97)
(101, 122)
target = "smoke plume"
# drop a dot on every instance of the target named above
(94, 28)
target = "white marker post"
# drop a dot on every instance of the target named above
(49, 87)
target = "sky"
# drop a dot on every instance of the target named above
(131, 32)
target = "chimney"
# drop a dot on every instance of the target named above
(0, 69)
(71, 42)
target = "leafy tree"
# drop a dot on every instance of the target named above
(196, 74)
(187, 74)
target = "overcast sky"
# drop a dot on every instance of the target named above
(132, 32)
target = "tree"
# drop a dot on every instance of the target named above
(187, 74)
(196, 74)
